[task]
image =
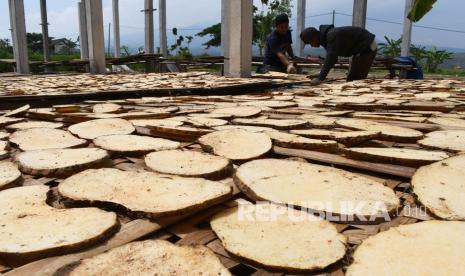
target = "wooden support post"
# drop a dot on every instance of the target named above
(44, 23)
(162, 27)
(238, 46)
(83, 38)
(299, 44)
(149, 35)
(359, 12)
(116, 36)
(407, 31)
(95, 32)
(18, 27)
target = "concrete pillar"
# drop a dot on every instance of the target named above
(407, 31)
(83, 39)
(95, 34)
(18, 26)
(116, 36)
(149, 36)
(299, 44)
(162, 26)
(238, 46)
(359, 12)
(223, 26)
(44, 23)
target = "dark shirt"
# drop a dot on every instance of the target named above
(342, 41)
(276, 43)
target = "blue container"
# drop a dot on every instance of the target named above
(414, 74)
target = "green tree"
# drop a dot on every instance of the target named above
(69, 47)
(182, 50)
(35, 42)
(264, 20)
(419, 53)
(214, 32)
(5, 47)
(6, 51)
(125, 51)
(390, 48)
(434, 58)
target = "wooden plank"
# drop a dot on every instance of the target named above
(198, 237)
(346, 162)
(418, 126)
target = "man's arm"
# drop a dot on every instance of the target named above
(331, 58)
(290, 52)
(282, 57)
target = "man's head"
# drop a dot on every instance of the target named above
(281, 23)
(311, 36)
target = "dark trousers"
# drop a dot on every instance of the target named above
(360, 65)
(265, 68)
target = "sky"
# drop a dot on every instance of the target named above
(192, 16)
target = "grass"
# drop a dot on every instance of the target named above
(453, 72)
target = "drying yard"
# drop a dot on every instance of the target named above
(158, 169)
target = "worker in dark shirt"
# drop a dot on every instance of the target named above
(348, 41)
(278, 43)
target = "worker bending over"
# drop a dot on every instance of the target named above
(278, 43)
(348, 41)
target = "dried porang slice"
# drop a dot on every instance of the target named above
(239, 111)
(9, 175)
(451, 122)
(45, 138)
(100, 127)
(106, 108)
(179, 133)
(441, 187)
(279, 238)
(287, 140)
(4, 121)
(142, 194)
(33, 124)
(319, 188)
(388, 132)
(31, 229)
(4, 135)
(60, 162)
(452, 140)
(153, 257)
(205, 122)
(236, 144)
(407, 157)
(134, 144)
(425, 248)
(273, 123)
(156, 122)
(189, 164)
(348, 138)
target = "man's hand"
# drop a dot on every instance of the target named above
(315, 81)
(291, 69)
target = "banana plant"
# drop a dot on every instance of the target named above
(420, 8)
